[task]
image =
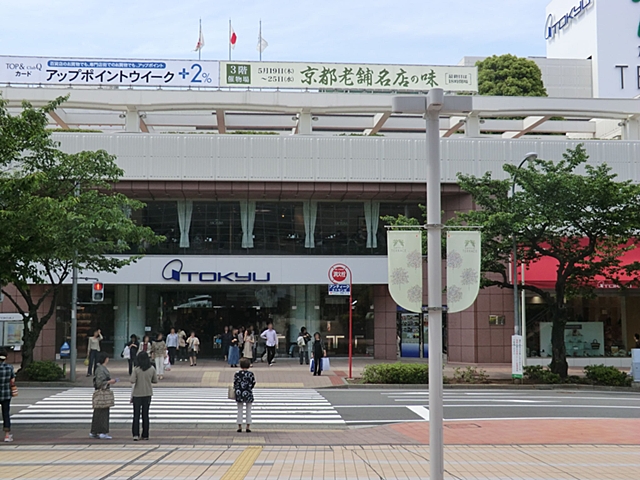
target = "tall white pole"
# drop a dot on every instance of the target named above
(435, 100)
(73, 354)
(199, 38)
(260, 41)
(229, 40)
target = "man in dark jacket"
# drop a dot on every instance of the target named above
(319, 353)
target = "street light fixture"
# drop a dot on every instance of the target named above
(518, 327)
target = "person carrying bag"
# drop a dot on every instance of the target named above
(103, 399)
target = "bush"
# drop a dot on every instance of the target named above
(538, 373)
(405, 373)
(470, 375)
(46, 371)
(609, 376)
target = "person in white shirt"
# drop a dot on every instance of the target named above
(172, 345)
(271, 338)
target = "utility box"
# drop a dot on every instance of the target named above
(635, 364)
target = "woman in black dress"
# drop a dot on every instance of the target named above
(243, 383)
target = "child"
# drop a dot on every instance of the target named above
(243, 383)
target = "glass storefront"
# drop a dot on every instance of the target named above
(206, 310)
(597, 327)
(270, 227)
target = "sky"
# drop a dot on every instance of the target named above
(427, 32)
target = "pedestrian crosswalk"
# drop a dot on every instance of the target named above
(189, 406)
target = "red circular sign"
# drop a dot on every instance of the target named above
(338, 274)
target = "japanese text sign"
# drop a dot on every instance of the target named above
(348, 76)
(127, 73)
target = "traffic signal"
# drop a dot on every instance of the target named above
(97, 292)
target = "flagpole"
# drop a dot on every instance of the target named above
(260, 40)
(229, 39)
(200, 37)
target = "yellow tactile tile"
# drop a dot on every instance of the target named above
(210, 379)
(243, 464)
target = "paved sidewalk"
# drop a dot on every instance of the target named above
(285, 373)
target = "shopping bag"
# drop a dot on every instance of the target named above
(326, 365)
(14, 388)
(166, 360)
(103, 398)
(231, 393)
(311, 369)
(126, 353)
(86, 362)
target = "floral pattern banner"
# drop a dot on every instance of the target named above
(463, 269)
(404, 250)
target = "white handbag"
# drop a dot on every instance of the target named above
(126, 353)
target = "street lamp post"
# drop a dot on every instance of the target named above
(431, 107)
(518, 328)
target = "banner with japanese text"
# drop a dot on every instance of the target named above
(341, 76)
(463, 269)
(108, 72)
(404, 249)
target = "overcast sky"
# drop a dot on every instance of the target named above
(372, 31)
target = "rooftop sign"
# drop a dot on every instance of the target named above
(108, 72)
(555, 26)
(341, 76)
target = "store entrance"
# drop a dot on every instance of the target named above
(208, 311)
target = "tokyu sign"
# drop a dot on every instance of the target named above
(556, 25)
(341, 76)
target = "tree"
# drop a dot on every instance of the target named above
(510, 76)
(56, 209)
(585, 222)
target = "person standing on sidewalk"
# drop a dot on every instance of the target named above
(142, 378)
(158, 354)
(7, 378)
(193, 346)
(172, 345)
(319, 353)
(249, 340)
(234, 349)
(303, 341)
(93, 349)
(133, 352)
(243, 383)
(102, 380)
(226, 343)
(182, 346)
(271, 338)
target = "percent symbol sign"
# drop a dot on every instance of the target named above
(207, 77)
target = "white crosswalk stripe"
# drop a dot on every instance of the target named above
(190, 406)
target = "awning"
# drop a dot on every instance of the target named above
(542, 273)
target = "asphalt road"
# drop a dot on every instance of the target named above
(371, 407)
(307, 408)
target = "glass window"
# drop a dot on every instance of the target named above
(340, 229)
(162, 218)
(278, 228)
(215, 228)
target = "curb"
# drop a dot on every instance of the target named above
(471, 386)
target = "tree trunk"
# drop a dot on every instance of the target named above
(29, 339)
(559, 351)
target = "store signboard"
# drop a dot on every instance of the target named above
(108, 72)
(340, 289)
(516, 356)
(11, 329)
(348, 76)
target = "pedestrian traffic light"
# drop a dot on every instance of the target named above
(97, 292)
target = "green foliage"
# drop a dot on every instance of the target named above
(470, 375)
(252, 132)
(56, 208)
(584, 221)
(609, 376)
(402, 220)
(397, 373)
(45, 371)
(510, 76)
(540, 374)
(73, 130)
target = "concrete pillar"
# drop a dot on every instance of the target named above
(132, 121)
(307, 310)
(631, 129)
(129, 314)
(472, 128)
(304, 123)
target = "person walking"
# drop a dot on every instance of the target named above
(133, 345)
(93, 349)
(7, 380)
(173, 341)
(249, 340)
(158, 354)
(182, 346)
(319, 353)
(226, 342)
(271, 338)
(243, 383)
(102, 380)
(145, 346)
(303, 340)
(142, 378)
(234, 349)
(193, 346)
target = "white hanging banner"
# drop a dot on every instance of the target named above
(463, 269)
(404, 250)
